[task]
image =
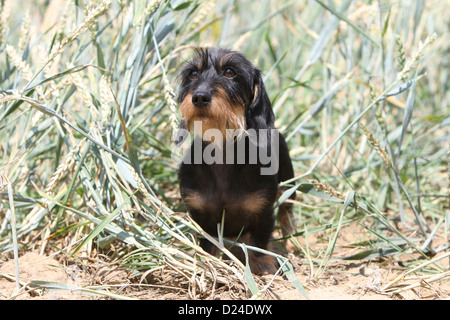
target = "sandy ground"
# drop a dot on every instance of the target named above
(343, 281)
(364, 279)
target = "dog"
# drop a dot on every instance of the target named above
(234, 195)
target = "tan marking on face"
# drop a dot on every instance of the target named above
(221, 114)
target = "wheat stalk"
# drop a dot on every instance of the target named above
(19, 63)
(376, 145)
(106, 99)
(92, 15)
(205, 8)
(418, 54)
(325, 187)
(5, 10)
(170, 98)
(24, 31)
(65, 166)
(152, 6)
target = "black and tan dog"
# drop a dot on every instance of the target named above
(223, 91)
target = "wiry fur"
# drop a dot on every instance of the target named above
(237, 193)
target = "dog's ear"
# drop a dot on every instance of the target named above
(260, 114)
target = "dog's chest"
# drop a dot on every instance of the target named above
(215, 193)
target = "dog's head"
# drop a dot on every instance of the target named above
(221, 89)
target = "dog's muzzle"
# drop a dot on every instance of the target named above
(201, 99)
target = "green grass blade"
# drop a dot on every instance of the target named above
(343, 18)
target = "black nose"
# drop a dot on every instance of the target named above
(201, 99)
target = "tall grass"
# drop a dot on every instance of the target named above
(87, 113)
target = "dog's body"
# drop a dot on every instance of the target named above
(222, 90)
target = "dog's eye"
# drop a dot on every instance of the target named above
(193, 74)
(229, 73)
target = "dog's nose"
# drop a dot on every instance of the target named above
(201, 99)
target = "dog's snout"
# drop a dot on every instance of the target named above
(201, 99)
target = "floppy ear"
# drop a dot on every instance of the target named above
(260, 114)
